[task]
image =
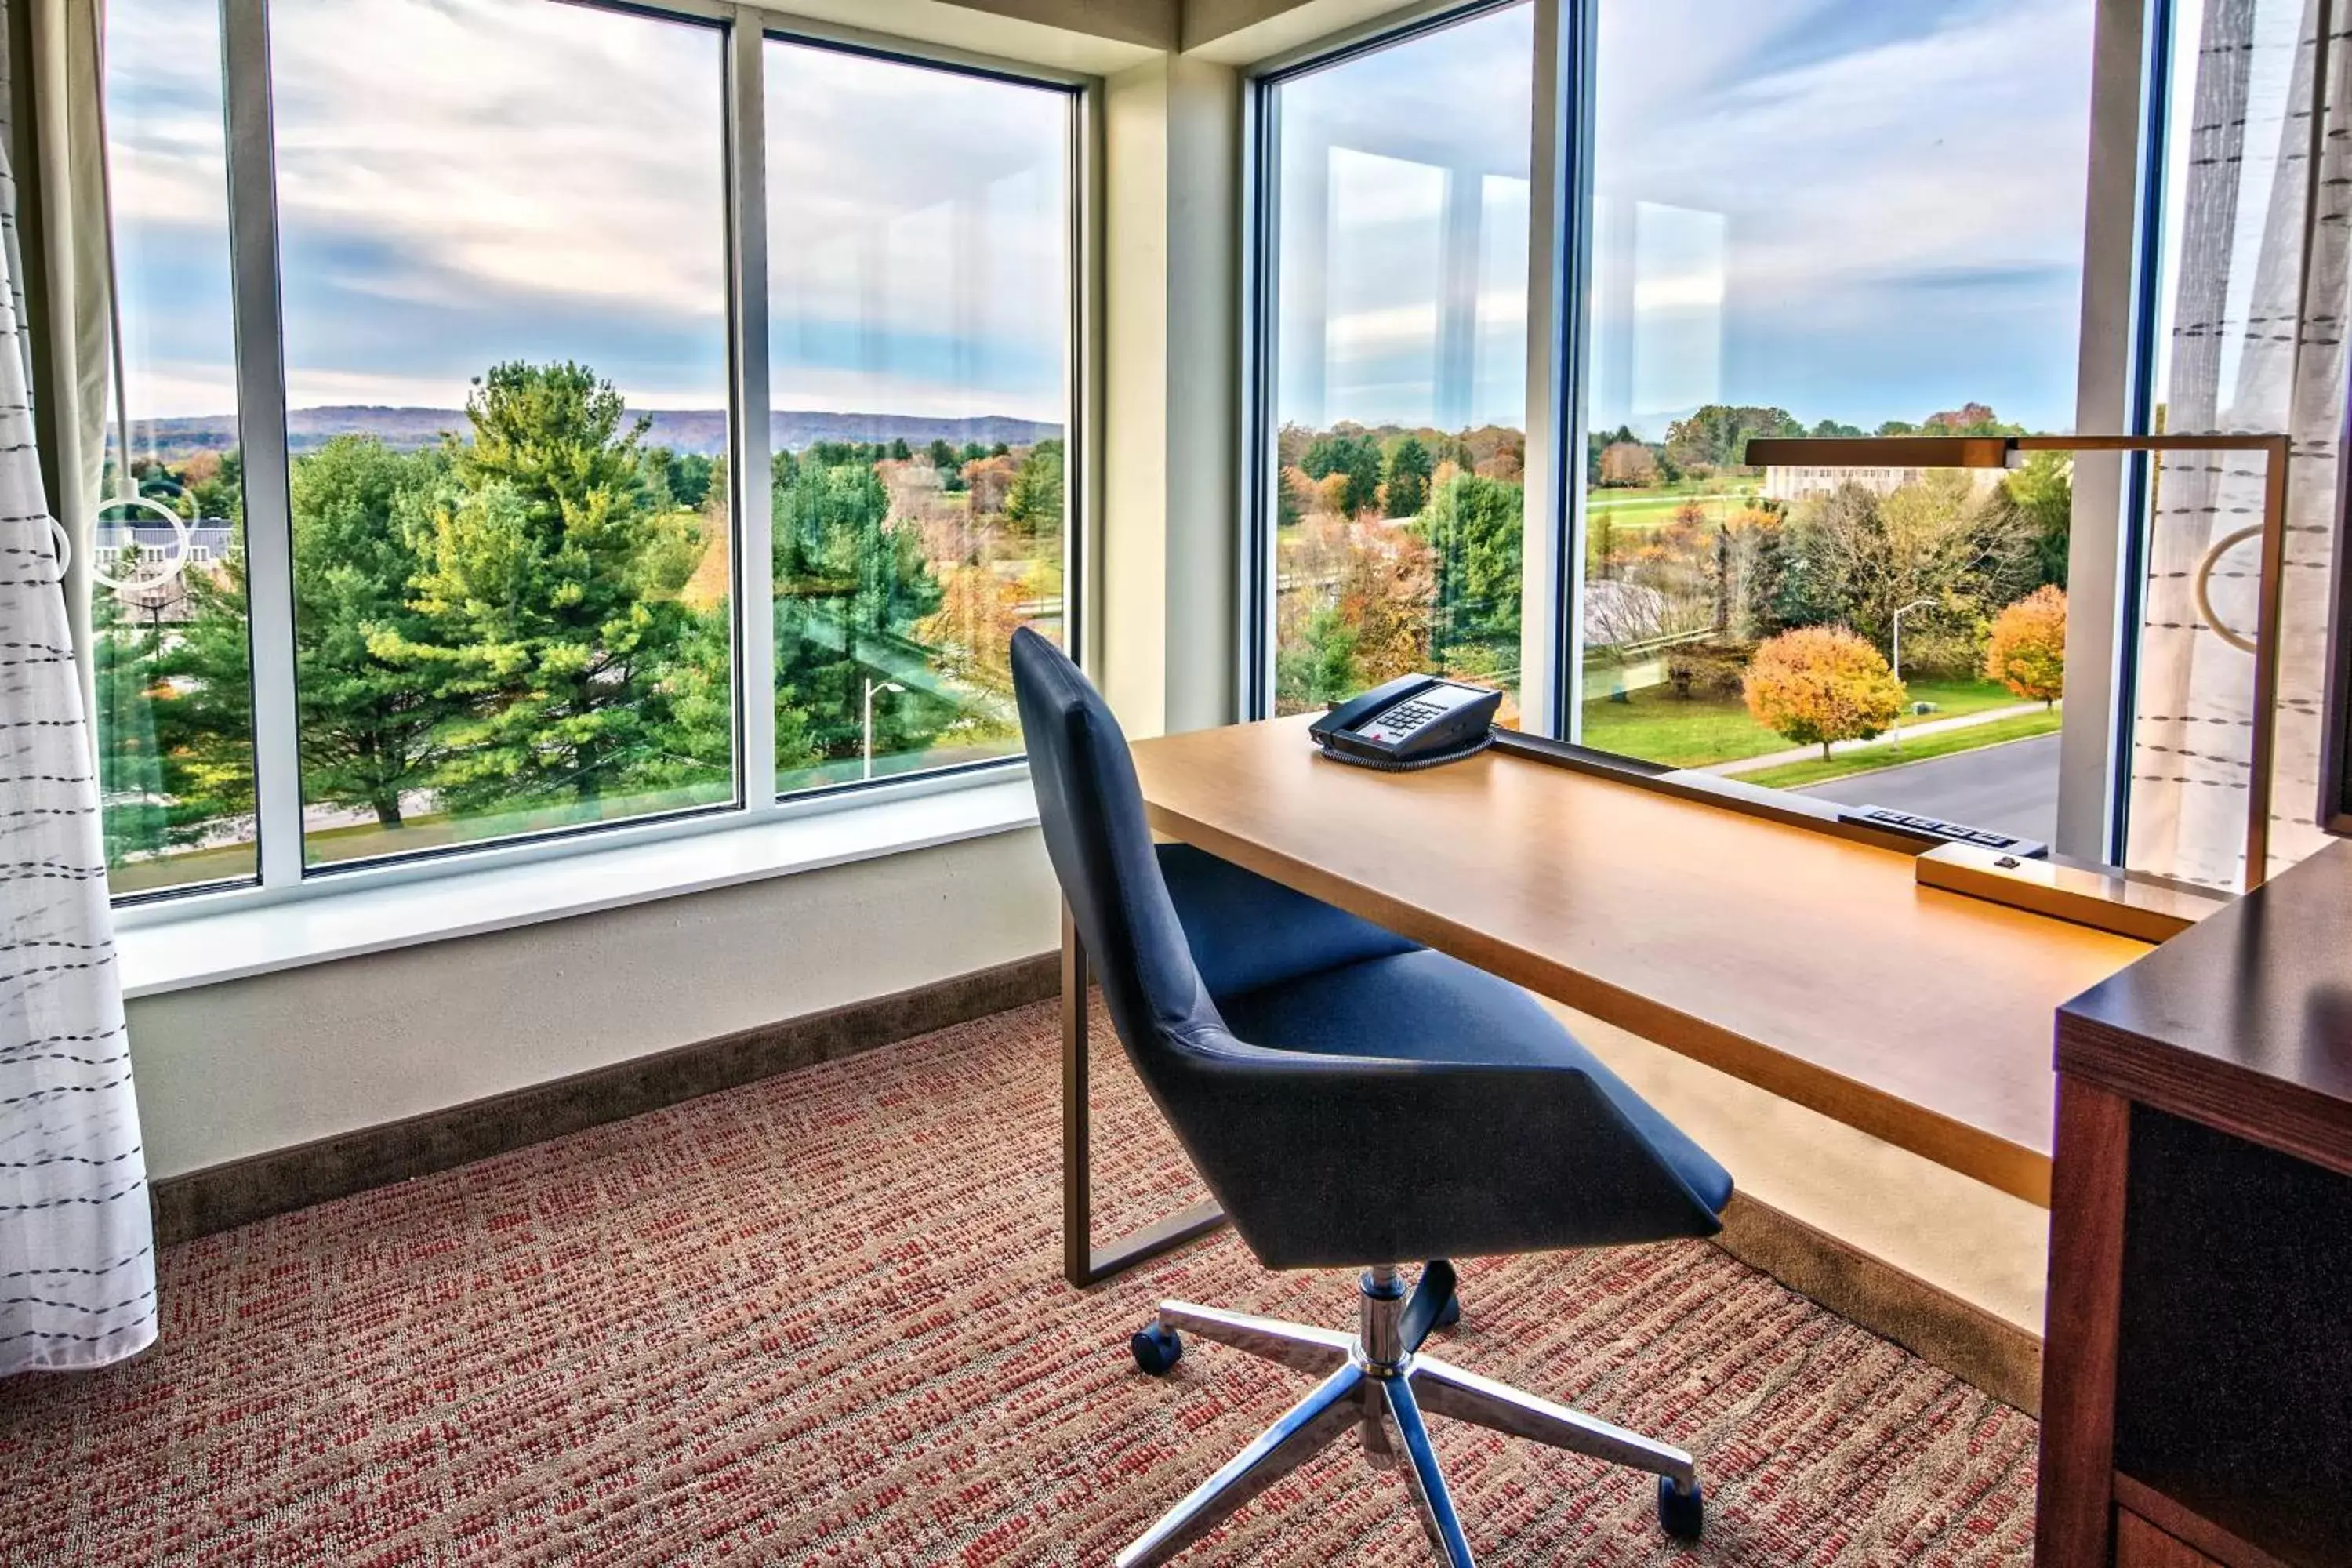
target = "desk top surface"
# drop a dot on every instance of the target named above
(1811, 965)
(2245, 1022)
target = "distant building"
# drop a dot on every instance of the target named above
(130, 552)
(1792, 484)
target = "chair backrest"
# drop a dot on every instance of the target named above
(1092, 813)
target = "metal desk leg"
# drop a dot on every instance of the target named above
(1083, 1263)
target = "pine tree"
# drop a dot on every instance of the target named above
(1408, 467)
(551, 586)
(370, 724)
(1034, 505)
(846, 582)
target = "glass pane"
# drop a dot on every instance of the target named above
(1399, 244)
(1834, 219)
(505, 268)
(920, 298)
(172, 670)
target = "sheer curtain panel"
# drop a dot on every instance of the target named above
(76, 1253)
(2263, 282)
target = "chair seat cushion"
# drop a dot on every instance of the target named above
(1425, 1006)
(1247, 932)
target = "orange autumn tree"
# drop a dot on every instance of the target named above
(2027, 651)
(1822, 684)
(972, 631)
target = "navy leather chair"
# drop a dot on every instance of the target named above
(1351, 1098)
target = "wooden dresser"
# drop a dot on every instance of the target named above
(2196, 1372)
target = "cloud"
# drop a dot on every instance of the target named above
(1899, 191)
(462, 181)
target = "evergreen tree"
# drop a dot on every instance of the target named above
(551, 588)
(950, 467)
(1034, 505)
(1475, 526)
(371, 720)
(1355, 456)
(849, 590)
(203, 700)
(1408, 467)
(137, 820)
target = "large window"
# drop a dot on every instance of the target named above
(919, 223)
(506, 373)
(172, 661)
(1852, 219)
(1832, 219)
(1396, 213)
(508, 309)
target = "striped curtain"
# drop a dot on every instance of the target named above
(2263, 282)
(77, 1257)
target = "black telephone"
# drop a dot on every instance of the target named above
(1413, 721)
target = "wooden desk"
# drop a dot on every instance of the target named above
(2197, 1381)
(1811, 965)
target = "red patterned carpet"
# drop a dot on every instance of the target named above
(821, 1321)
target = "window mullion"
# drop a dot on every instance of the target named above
(752, 514)
(1559, 226)
(261, 426)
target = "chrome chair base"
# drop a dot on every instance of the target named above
(1376, 1379)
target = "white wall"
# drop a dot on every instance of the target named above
(235, 1069)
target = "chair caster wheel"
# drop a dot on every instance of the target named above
(1681, 1514)
(1157, 1349)
(1451, 1313)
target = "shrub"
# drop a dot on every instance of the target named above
(1707, 670)
(1819, 684)
(2027, 651)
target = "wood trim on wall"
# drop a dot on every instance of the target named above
(239, 1192)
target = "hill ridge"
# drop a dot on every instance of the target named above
(702, 430)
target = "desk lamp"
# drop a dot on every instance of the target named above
(1998, 452)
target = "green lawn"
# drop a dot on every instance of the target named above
(1635, 509)
(1995, 732)
(1659, 727)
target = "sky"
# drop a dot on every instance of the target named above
(465, 180)
(1853, 210)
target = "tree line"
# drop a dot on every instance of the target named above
(1712, 440)
(1400, 550)
(533, 616)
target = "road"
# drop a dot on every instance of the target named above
(2011, 788)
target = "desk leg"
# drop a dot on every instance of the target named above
(2075, 1500)
(1083, 1263)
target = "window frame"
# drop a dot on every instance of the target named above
(2123, 238)
(255, 265)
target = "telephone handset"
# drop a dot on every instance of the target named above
(1413, 721)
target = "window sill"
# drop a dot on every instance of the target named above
(207, 946)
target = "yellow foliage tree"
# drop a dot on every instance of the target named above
(2027, 651)
(1819, 684)
(972, 631)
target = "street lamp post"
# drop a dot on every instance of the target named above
(1896, 652)
(870, 690)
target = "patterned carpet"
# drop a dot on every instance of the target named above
(820, 1319)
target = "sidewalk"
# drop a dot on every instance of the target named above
(1841, 748)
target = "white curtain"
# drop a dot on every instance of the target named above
(2260, 301)
(77, 1256)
